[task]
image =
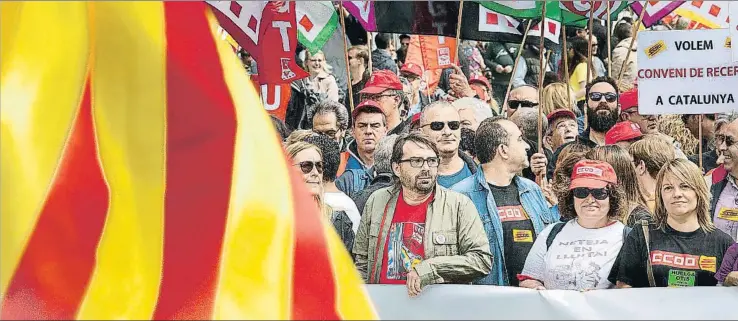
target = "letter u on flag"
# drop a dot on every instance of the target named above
(139, 181)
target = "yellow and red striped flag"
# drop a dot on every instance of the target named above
(139, 181)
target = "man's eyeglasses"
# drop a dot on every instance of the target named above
(609, 97)
(307, 166)
(515, 104)
(720, 139)
(417, 162)
(583, 192)
(438, 125)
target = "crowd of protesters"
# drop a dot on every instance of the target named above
(451, 186)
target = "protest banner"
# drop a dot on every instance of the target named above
(686, 72)
(481, 302)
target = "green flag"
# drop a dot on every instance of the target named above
(576, 13)
(316, 22)
(515, 9)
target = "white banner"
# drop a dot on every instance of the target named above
(480, 302)
(734, 27)
(686, 72)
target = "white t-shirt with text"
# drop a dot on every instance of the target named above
(578, 259)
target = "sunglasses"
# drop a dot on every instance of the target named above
(609, 97)
(583, 192)
(729, 141)
(515, 104)
(307, 166)
(438, 125)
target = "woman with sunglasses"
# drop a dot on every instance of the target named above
(621, 161)
(578, 254)
(308, 158)
(682, 247)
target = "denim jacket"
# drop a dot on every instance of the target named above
(532, 200)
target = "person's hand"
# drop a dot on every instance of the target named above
(731, 279)
(508, 69)
(413, 283)
(538, 164)
(459, 84)
(549, 194)
(499, 69)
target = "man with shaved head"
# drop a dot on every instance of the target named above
(525, 96)
(441, 123)
(724, 204)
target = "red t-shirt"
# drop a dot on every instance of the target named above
(403, 248)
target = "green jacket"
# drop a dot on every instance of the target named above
(455, 244)
(496, 55)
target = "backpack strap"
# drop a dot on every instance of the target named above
(554, 231)
(649, 268)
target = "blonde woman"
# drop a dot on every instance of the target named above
(555, 97)
(321, 79)
(682, 247)
(308, 158)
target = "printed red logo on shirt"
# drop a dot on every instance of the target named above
(512, 213)
(684, 261)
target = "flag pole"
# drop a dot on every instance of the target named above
(565, 53)
(515, 66)
(609, 41)
(540, 85)
(458, 31)
(632, 40)
(590, 67)
(345, 57)
(700, 143)
(369, 44)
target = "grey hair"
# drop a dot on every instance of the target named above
(527, 120)
(383, 154)
(724, 119)
(332, 107)
(481, 109)
(433, 105)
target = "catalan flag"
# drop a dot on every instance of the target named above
(138, 179)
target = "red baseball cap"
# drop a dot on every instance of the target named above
(629, 99)
(380, 81)
(412, 68)
(592, 174)
(364, 105)
(479, 79)
(622, 131)
(558, 113)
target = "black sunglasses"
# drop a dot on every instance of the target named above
(598, 193)
(515, 104)
(307, 166)
(438, 125)
(609, 97)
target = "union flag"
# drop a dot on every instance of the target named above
(140, 178)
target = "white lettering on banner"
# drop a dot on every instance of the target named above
(283, 25)
(679, 70)
(276, 96)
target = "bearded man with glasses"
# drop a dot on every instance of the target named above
(416, 232)
(440, 121)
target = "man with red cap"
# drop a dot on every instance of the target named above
(385, 88)
(414, 74)
(562, 129)
(369, 126)
(623, 134)
(629, 111)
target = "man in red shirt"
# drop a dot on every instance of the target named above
(416, 232)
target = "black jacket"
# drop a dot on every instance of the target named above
(343, 225)
(382, 180)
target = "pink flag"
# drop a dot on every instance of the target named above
(655, 10)
(363, 11)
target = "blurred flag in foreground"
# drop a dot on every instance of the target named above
(140, 178)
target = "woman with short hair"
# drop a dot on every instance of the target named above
(682, 247)
(578, 254)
